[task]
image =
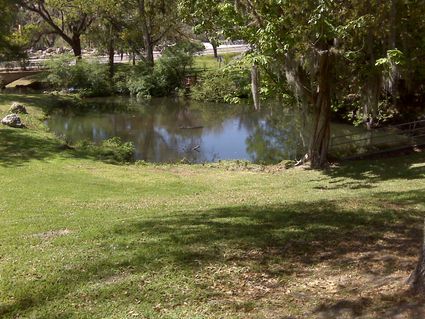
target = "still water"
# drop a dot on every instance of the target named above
(171, 130)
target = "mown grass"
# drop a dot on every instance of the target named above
(83, 239)
(208, 62)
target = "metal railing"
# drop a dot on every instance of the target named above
(385, 139)
(21, 66)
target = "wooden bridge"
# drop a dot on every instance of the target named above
(9, 76)
(381, 140)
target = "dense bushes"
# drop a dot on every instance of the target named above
(143, 80)
(164, 78)
(88, 78)
(227, 85)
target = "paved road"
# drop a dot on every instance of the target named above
(35, 62)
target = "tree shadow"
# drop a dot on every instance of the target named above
(18, 147)
(306, 233)
(366, 173)
(290, 235)
(398, 306)
(40, 101)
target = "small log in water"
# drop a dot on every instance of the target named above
(190, 127)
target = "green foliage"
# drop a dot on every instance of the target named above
(138, 81)
(112, 150)
(11, 44)
(173, 66)
(227, 85)
(88, 78)
(394, 57)
(352, 110)
(165, 78)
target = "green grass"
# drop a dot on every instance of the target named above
(83, 239)
(208, 62)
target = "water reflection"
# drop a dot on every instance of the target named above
(168, 130)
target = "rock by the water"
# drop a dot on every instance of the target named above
(18, 109)
(12, 120)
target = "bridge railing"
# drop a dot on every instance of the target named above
(393, 137)
(22, 65)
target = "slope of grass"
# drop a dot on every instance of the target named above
(84, 239)
(208, 62)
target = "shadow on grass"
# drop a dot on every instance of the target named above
(18, 147)
(365, 174)
(399, 306)
(257, 237)
(44, 102)
(306, 233)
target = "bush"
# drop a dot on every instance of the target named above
(112, 150)
(139, 81)
(88, 78)
(228, 85)
(164, 78)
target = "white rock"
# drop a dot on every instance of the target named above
(12, 120)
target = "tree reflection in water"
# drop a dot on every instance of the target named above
(169, 130)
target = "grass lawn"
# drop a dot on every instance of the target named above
(83, 239)
(208, 62)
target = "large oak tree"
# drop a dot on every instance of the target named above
(69, 19)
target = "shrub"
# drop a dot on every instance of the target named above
(112, 150)
(164, 78)
(227, 85)
(140, 81)
(88, 78)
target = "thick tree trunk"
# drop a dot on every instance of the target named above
(255, 86)
(149, 51)
(319, 147)
(417, 278)
(76, 46)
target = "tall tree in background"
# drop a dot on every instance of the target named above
(205, 19)
(152, 21)
(69, 19)
(9, 47)
(107, 30)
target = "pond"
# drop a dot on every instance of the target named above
(172, 130)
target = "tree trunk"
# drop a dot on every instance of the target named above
(372, 84)
(111, 53)
(214, 45)
(147, 38)
(76, 46)
(417, 278)
(215, 50)
(319, 147)
(255, 86)
(149, 51)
